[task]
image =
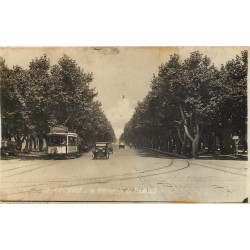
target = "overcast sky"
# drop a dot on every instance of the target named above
(118, 71)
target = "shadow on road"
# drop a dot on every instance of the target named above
(150, 153)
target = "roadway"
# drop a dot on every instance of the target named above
(129, 175)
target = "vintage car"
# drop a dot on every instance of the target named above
(121, 145)
(101, 150)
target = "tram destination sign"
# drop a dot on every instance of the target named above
(59, 129)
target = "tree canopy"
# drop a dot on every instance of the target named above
(188, 100)
(35, 99)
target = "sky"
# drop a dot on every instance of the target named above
(122, 75)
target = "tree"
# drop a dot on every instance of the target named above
(232, 99)
(191, 98)
(44, 96)
(15, 118)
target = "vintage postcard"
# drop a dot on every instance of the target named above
(124, 124)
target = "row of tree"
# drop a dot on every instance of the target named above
(36, 99)
(192, 105)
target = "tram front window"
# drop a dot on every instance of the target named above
(57, 140)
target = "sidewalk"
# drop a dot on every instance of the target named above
(28, 156)
(31, 156)
(239, 157)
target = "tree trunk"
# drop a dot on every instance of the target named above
(195, 140)
(221, 143)
(182, 141)
(227, 141)
(165, 144)
(30, 143)
(195, 146)
(40, 140)
(34, 141)
(19, 142)
(210, 143)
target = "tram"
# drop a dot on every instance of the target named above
(62, 143)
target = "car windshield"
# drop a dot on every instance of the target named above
(100, 144)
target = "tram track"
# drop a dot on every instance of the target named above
(112, 176)
(216, 168)
(53, 185)
(223, 166)
(26, 171)
(109, 179)
(12, 169)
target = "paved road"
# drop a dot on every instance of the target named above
(129, 175)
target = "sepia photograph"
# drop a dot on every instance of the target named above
(124, 124)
